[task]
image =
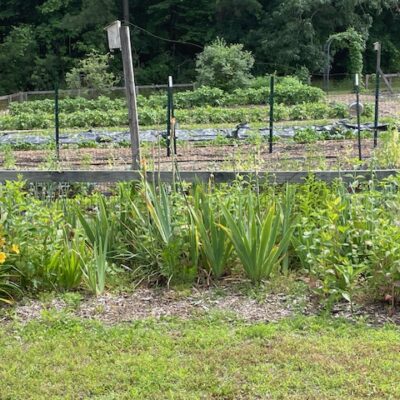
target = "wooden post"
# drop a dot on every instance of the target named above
(130, 95)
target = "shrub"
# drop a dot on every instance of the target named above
(224, 66)
(91, 72)
(290, 90)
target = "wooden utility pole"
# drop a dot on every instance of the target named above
(119, 38)
(130, 95)
(126, 12)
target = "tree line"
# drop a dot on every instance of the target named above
(41, 41)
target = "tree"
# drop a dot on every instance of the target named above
(224, 66)
(17, 55)
(40, 40)
(91, 73)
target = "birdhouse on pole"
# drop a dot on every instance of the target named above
(113, 34)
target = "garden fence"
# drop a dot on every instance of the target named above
(216, 149)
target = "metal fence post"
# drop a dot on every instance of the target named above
(57, 121)
(377, 47)
(271, 111)
(170, 117)
(357, 88)
(168, 120)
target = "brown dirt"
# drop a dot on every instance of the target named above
(322, 155)
(150, 303)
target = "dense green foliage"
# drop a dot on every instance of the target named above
(92, 73)
(288, 91)
(345, 241)
(355, 43)
(205, 105)
(224, 66)
(156, 116)
(41, 40)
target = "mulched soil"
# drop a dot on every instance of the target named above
(151, 303)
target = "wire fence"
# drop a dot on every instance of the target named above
(296, 142)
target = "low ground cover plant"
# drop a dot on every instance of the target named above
(345, 241)
(206, 105)
(156, 116)
(288, 91)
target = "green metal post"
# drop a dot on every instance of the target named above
(168, 122)
(271, 111)
(357, 86)
(377, 46)
(57, 121)
(171, 96)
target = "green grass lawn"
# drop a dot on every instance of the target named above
(214, 357)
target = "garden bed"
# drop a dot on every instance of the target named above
(322, 155)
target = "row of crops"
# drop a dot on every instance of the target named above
(343, 240)
(294, 101)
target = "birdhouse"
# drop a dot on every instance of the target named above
(114, 40)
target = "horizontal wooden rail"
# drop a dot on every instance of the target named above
(23, 96)
(278, 177)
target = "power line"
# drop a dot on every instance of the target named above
(165, 39)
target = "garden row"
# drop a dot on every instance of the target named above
(157, 116)
(289, 91)
(346, 242)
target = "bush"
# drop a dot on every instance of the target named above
(290, 90)
(92, 73)
(224, 66)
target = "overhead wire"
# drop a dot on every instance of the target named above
(165, 39)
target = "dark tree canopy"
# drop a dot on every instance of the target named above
(41, 40)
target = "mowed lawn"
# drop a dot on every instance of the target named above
(213, 357)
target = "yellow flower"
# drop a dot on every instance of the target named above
(2, 241)
(3, 257)
(15, 248)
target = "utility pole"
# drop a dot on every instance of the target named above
(126, 12)
(130, 95)
(119, 38)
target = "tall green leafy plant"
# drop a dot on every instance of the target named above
(160, 234)
(102, 228)
(95, 270)
(216, 247)
(66, 264)
(259, 241)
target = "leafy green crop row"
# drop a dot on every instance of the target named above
(345, 241)
(157, 116)
(289, 91)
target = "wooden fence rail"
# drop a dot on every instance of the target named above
(24, 96)
(278, 177)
